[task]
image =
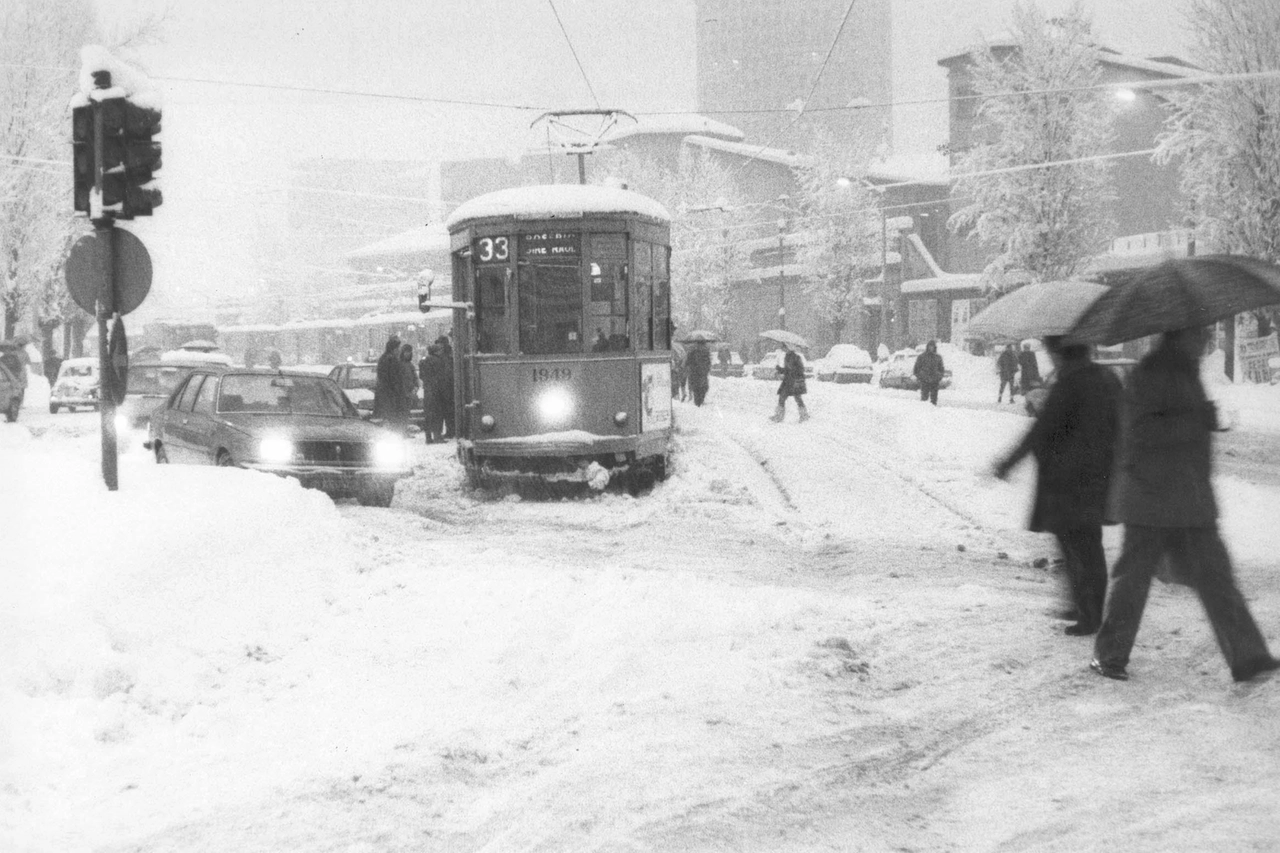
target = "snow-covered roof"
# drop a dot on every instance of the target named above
(757, 152)
(556, 201)
(424, 238)
(918, 168)
(677, 124)
(945, 283)
(1106, 56)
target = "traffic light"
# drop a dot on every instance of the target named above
(130, 158)
(82, 155)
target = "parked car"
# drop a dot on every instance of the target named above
(358, 379)
(151, 381)
(287, 423)
(768, 366)
(732, 365)
(844, 364)
(13, 379)
(76, 386)
(898, 372)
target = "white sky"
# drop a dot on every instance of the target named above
(223, 143)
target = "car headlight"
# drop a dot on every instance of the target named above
(123, 423)
(555, 405)
(487, 423)
(275, 449)
(388, 452)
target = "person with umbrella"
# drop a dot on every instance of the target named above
(697, 367)
(929, 371)
(792, 385)
(1165, 499)
(1073, 441)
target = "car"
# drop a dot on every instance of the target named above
(76, 386)
(358, 380)
(899, 372)
(728, 365)
(844, 364)
(287, 423)
(151, 381)
(13, 380)
(772, 361)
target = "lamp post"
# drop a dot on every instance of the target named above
(782, 284)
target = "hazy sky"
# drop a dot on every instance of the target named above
(223, 143)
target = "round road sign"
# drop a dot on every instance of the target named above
(87, 270)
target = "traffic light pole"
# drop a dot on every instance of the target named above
(104, 225)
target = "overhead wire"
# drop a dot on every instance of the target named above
(569, 42)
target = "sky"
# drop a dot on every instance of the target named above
(229, 73)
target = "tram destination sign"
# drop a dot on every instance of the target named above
(550, 244)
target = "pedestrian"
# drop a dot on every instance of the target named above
(52, 363)
(1029, 368)
(929, 371)
(446, 397)
(698, 369)
(387, 385)
(1007, 367)
(434, 371)
(1073, 442)
(408, 385)
(274, 359)
(1164, 497)
(679, 373)
(792, 385)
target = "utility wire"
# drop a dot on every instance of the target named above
(569, 41)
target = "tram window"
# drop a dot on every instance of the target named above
(609, 305)
(661, 298)
(491, 310)
(550, 309)
(642, 297)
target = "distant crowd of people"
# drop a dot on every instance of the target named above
(395, 394)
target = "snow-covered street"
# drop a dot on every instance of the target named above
(833, 635)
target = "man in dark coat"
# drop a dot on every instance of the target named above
(929, 371)
(1073, 442)
(697, 366)
(1164, 498)
(387, 390)
(1029, 368)
(792, 385)
(1007, 367)
(445, 388)
(433, 371)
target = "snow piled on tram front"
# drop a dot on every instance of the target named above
(556, 201)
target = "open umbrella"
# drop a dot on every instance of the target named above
(1036, 310)
(1177, 294)
(699, 335)
(782, 336)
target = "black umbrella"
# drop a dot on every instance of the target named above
(1178, 294)
(699, 336)
(1036, 310)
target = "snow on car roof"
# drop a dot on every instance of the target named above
(555, 201)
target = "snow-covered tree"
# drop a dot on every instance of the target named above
(1033, 107)
(840, 223)
(706, 220)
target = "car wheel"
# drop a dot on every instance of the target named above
(224, 460)
(53, 408)
(162, 455)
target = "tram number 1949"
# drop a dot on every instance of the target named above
(552, 374)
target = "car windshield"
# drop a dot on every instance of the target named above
(77, 370)
(363, 376)
(289, 395)
(155, 380)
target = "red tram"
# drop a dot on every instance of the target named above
(563, 355)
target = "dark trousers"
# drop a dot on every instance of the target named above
(1011, 385)
(698, 386)
(1086, 565)
(1199, 559)
(929, 392)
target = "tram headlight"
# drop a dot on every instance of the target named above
(275, 450)
(555, 405)
(620, 419)
(487, 423)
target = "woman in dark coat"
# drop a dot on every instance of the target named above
(445, 398)
(387, 390)
(698, 368)
(434, 371)
(408, 387)
(1073, 442)
(792, 385)
(929, 371)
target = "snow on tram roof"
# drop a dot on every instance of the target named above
(556, 201)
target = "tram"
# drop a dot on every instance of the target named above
(563, 352)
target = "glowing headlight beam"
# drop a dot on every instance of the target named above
(275, 449)
(388, 453)
(555, 405)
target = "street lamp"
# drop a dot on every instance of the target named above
(782, 284)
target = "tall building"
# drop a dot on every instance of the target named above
(758, 60)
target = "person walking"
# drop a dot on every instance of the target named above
(408, 385)
(929, 371)
(1007, 367)
(387, 387)
(434, 370)
(1164, 497)
(679, 374)
(1029, 368)
(1073, 442)
(445, 388)
(792, 385)
(698, 368)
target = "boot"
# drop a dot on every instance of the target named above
(804, 415)
(778, 414)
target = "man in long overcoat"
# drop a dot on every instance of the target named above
(1164, 497)
(445, 388)
(1007, 367)
(387, 388)
(1073, 443)
(698, 367)
(434, 372)
(1029, 367)
(929, 371)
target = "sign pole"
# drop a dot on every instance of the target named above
(104, 226)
